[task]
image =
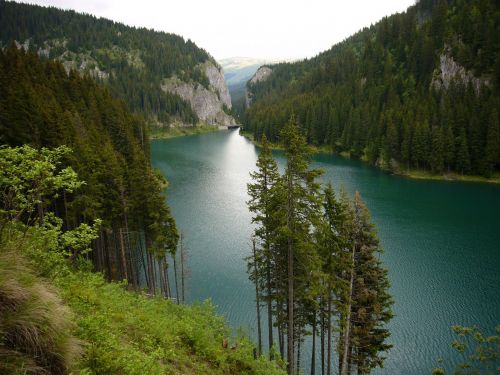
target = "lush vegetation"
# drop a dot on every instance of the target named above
(132, 61)
(57, 317)
(41, 105)
(315, 264)
(379, 95)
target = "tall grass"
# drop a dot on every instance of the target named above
(35, 325)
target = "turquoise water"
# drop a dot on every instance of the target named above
(441, 241)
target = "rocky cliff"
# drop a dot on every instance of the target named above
(449, 70)
(262, 74)
(209, 103)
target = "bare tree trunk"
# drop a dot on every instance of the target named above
(291, 340)
(345, 353)
(122, 249)
(257, 299)
(176, 280)
(269, 304)
(153, 273)
(329, 330)
(183, 269)
(167, 281)
(322, 324)
(161, 274)
(313, 353)
(298, 354)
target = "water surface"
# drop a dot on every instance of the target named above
(441, 241)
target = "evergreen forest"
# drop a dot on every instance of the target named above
(131, 61)
(417, 90)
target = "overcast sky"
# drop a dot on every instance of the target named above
(269, 29)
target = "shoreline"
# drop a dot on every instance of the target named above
(181, 131)
(414, 174)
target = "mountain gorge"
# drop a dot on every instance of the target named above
(237, 71)
(416, 91)
(135, 63)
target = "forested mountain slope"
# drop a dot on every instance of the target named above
(418, 89)
(133, 62)
(41, 105)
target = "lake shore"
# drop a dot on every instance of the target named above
(180, 131)
(409, 173)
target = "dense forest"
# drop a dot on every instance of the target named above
(131, 61)
(417, 90)
(42, 106)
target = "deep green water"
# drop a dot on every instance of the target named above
(441, 241)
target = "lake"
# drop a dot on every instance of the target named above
(441, 241)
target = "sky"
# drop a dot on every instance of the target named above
(265, 29)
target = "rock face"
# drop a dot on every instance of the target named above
(262, 74)
(449, 70)
(207, 103)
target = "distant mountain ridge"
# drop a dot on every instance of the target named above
(132, 62)
(417, 90)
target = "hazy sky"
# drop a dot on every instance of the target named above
(270, 29)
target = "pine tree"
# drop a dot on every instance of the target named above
(261, 204)
(462, 158)
(301, 211)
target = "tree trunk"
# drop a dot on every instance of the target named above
(290, 311)
(167, 280)
(298, 355)
(322, 325)
(346, 345)
(182, 276)
(269, 304)
(257, 299)
(176, 280)
(313, 354)
(329, 337)
(122, 249)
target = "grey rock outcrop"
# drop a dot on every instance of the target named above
(207, 103)
(262, 74)
(449, 70)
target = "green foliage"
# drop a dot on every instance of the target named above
(30, 177)
(481, 353)
(376, 95)
(44, 107)
(317, 261)
(85, 324)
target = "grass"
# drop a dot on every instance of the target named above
(451, 176)
(161, 132)
(55, 318)
(35, 324)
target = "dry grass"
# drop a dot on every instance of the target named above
(35, 326)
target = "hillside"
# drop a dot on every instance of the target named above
(57, 317)
(78, 194)
(135, 63)
(417, 90)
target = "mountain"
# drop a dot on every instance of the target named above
(237, 71)
(417, 90)
(135, 63)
